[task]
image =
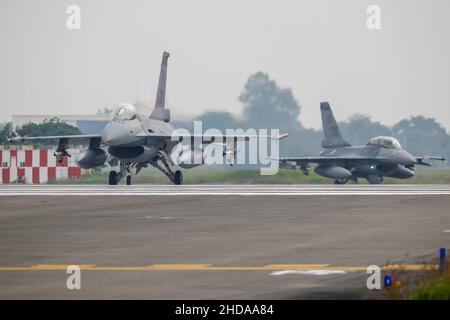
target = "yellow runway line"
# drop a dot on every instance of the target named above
(60, 266)
(209, 267)
(411, 267)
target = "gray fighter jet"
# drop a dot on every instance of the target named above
(380, 157)
(132, 141)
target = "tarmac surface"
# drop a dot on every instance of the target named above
(213, 242)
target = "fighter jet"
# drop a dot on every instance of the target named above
(132, 141)
(380, 157)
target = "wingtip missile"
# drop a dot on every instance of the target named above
(14, 139)
(280, 137)
(421, 160)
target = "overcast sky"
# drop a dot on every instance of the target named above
(322, 49)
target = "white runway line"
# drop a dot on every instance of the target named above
(222, 190)
(314, 272)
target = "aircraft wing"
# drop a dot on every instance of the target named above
(206, 139)
(323, 160)
(68, 139)
(87, 138)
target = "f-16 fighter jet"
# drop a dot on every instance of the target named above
(380, 157)
(131, 141)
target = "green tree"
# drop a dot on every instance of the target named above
(359, 129)
(422, 136)
(301, 142)
(267, 105)
(6, 131)
(52, 127)
(221, 120)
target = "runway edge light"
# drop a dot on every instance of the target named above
(442, 256)
(387, 281)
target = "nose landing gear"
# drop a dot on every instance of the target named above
(374, 179)
(127, 170)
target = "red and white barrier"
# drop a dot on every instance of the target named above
(36, 166)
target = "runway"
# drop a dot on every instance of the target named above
(222, 190)
(209, 242)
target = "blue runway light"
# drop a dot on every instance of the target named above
(442, 253)
(442, 264)
(387, 281)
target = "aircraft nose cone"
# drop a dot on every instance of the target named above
(115, 134)
(405, 158)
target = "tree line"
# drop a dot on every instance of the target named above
(267, 105)
(50, 127)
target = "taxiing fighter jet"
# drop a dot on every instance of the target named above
(132, 141)
(380, 157)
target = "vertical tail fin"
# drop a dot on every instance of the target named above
(160, 112)
(332, 135)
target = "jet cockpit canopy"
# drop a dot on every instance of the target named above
(385, 142)
(124, 111)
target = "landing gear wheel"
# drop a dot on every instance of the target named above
(374, 179)
(113, 178)
(339, 181)
(128, 181)
(178, 179)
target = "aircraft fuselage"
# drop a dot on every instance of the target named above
(396, 163)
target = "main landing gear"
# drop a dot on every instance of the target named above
(128, 170)
(176, 177)
(353, 178)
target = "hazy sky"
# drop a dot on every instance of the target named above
(322, 49)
